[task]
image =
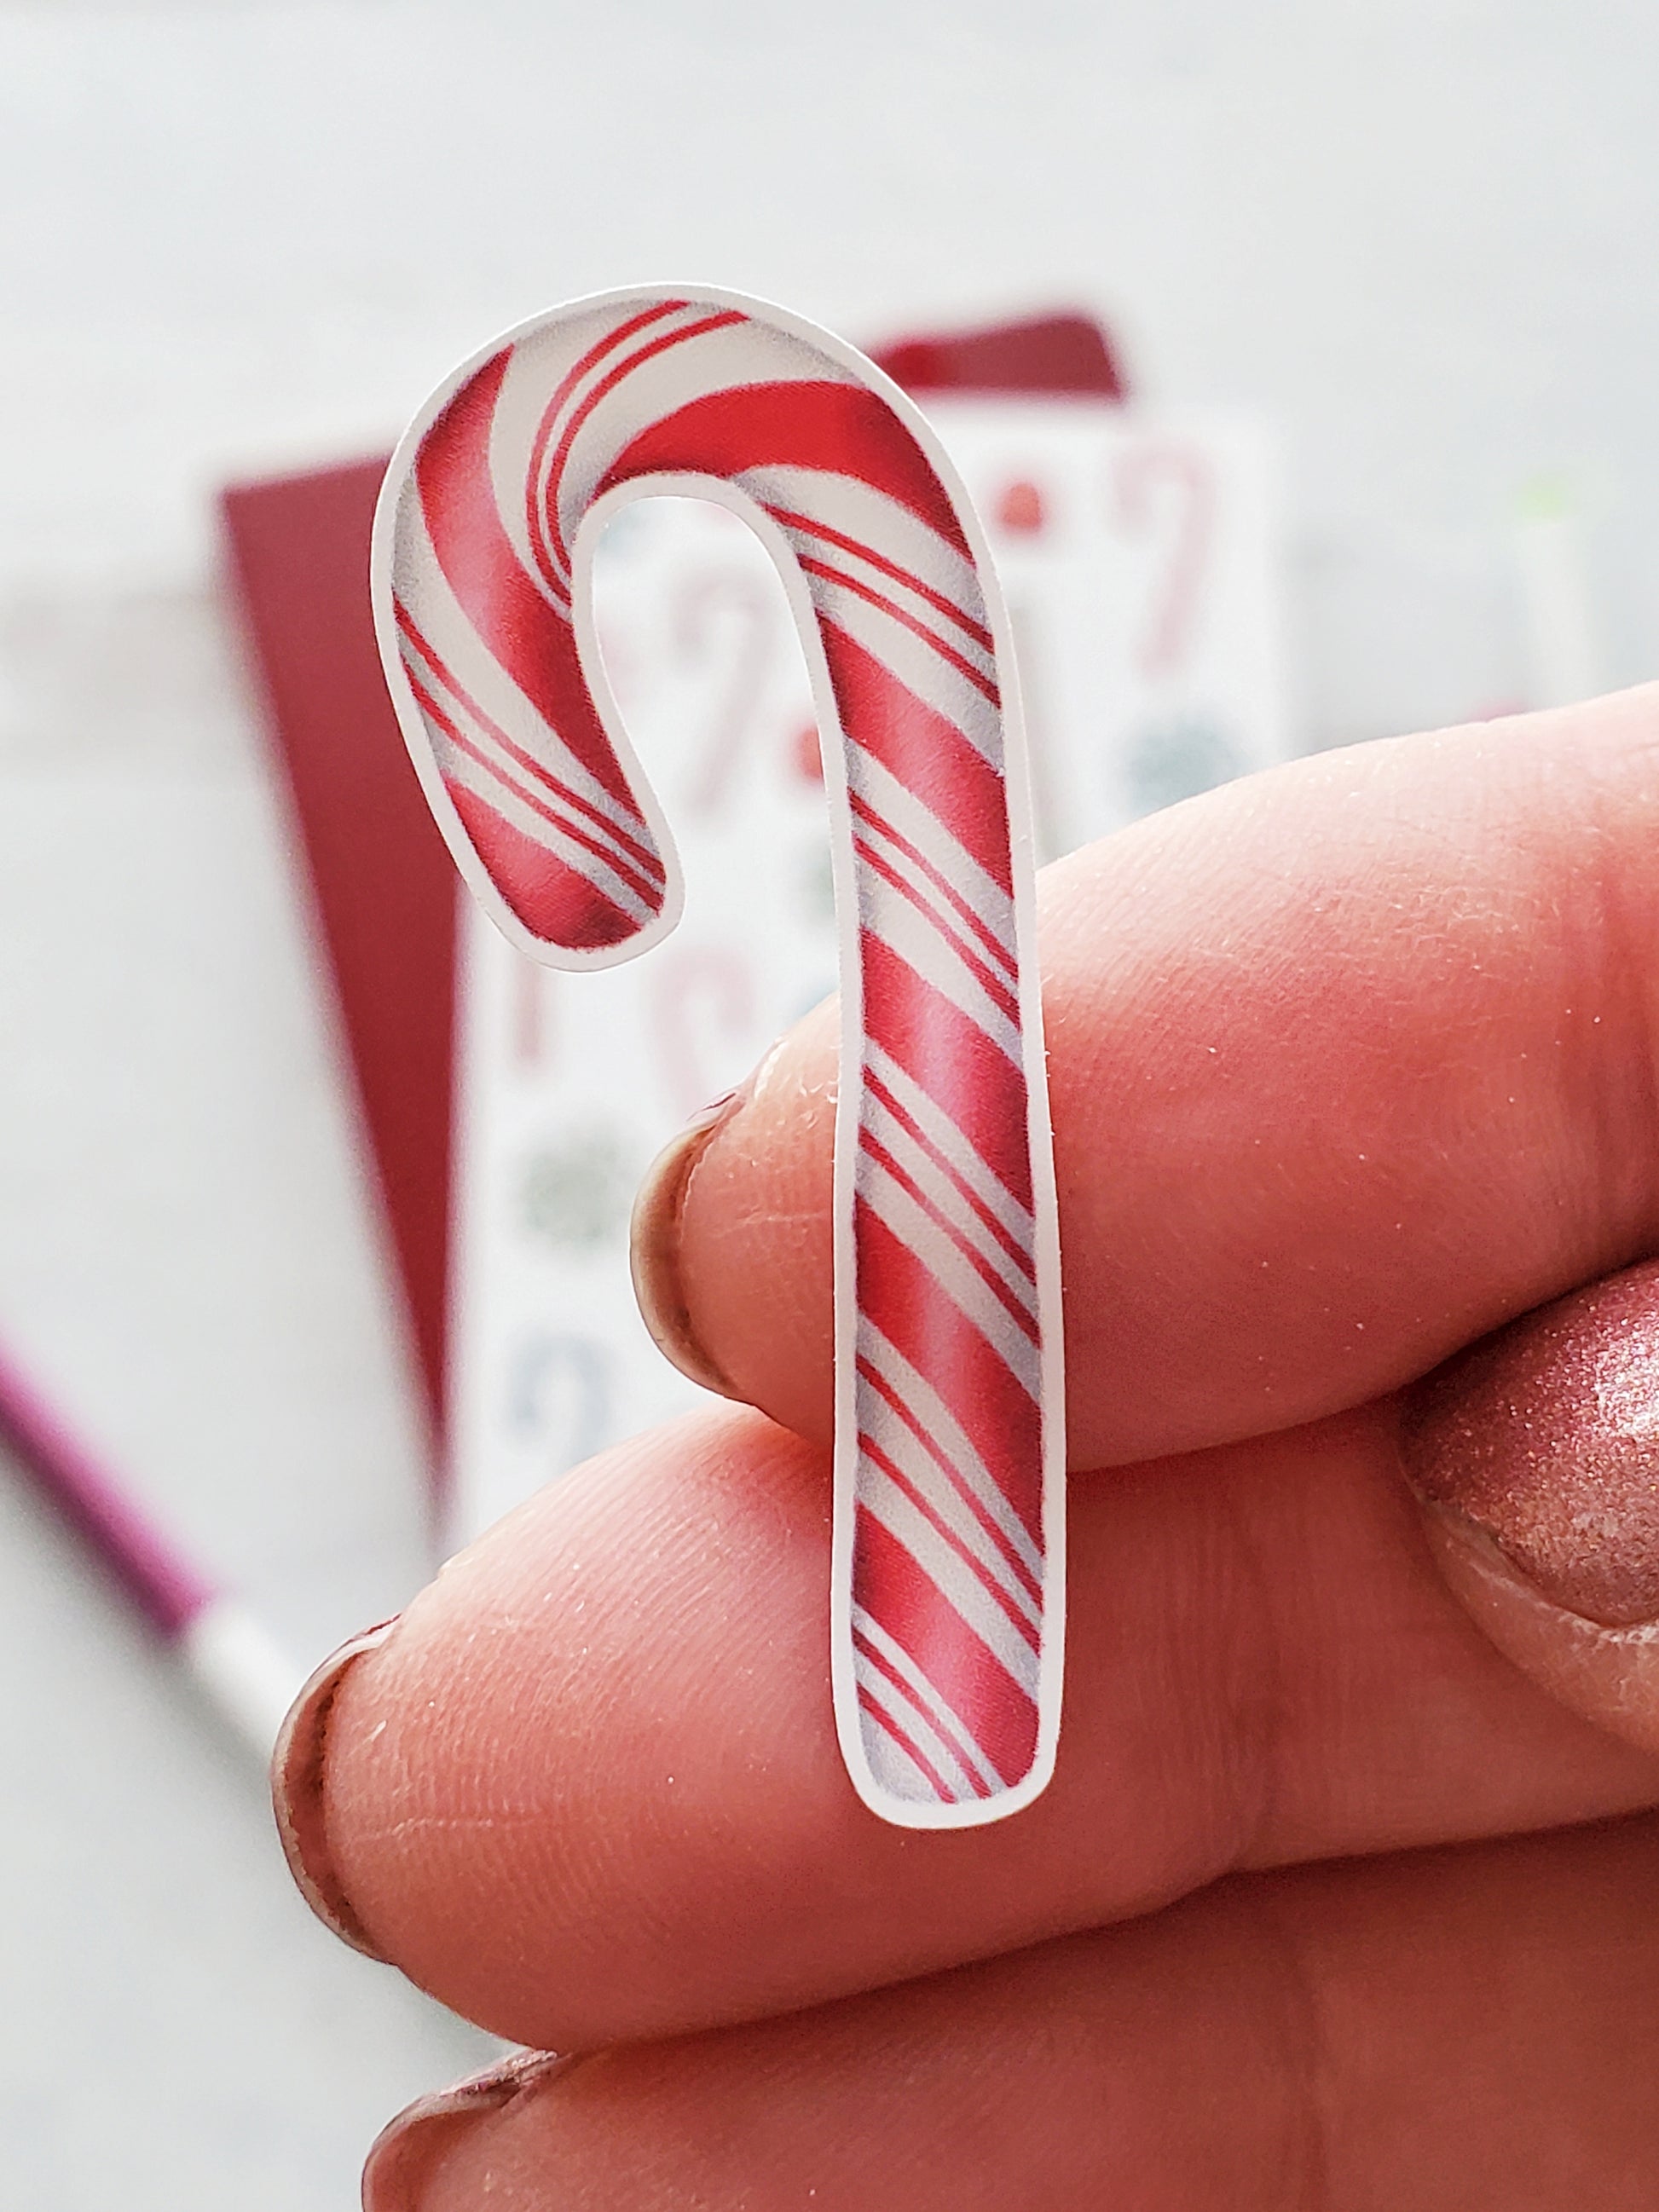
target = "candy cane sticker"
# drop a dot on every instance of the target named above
(946, 1604)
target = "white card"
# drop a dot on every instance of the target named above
(569, 1084)
(1138, 555)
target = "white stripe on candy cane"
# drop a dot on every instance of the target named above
(918, 662)
(927, 880)
(517, 803)
(1015, 1650)
(719, 359)
(914, 1703)
(874, 521)
(920, 1696)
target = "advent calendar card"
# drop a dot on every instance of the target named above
(568, 1084)
(1138, 553)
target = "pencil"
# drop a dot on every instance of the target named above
(235, 1663)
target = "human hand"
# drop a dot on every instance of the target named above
(1350, 1065)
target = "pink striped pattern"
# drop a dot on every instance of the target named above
(946, 1612)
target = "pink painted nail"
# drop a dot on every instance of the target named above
(1543, 1437)
(654, 1245)
(296, 1791)
(402, 2158)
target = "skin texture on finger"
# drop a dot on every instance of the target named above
(1474, 2031)
(1349, 1063)
(588, 1788)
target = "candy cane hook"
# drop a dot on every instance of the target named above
(946, 1604)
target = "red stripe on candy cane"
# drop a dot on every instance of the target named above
(946, 1604)
(926, 753)
(990, 1403)
(509, 613)
(838, 426)
(991, 1707)
(648, 862)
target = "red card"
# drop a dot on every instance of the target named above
(383, 886)
(1058, 357)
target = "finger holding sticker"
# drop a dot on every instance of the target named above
(945, 1598)
(588, 1791)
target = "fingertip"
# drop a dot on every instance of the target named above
(551, 1760)
(298, 1795)
(407, 2163)
(1535, 1457)
(753, 1262)
(654, 1238)
(1609, 1675)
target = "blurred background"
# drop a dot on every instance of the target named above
(1411, 243)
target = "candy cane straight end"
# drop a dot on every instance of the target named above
(946, 1597)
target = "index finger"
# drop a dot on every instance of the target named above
(1349, 1063)
(588, 1788)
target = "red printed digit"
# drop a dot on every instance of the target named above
(1146, 481)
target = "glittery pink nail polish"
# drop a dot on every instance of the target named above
(1545, 1436)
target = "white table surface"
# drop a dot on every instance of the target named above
(1416, 233)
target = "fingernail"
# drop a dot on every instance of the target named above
(402, 2158)
(653, 1244)
(296, 1790)
(1544, 1438)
